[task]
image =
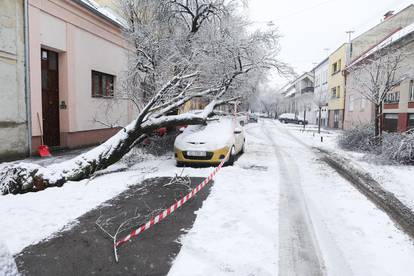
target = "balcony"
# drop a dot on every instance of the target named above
(308, 89)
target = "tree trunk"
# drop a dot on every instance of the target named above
(23, 177)
(377, 121)
(319, 120)
(304, 119)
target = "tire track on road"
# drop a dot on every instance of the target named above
(299, 253)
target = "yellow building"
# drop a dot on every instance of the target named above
(336, 86)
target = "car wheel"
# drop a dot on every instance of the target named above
(232, 156)
(243, 147)
(180, 164)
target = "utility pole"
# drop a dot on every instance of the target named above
(350, 32)
(350, 35)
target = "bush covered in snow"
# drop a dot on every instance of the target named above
(359, 139)
(395, 147)
(399, 147)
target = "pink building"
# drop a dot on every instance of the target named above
(77, 56)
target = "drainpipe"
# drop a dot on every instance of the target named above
(27, 76)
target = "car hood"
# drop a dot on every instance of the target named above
(214, 136)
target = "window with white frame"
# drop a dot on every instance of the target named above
(411, 91)
(392, 97)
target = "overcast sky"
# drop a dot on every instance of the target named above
(309, 27)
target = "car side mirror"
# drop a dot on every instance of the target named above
(237, 130)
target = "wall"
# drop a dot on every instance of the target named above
(362, 112)
(13, 125)
(85, 42)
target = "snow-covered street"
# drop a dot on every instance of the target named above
(280, 210)
(298, 217)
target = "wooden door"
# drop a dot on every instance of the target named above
(50, 97)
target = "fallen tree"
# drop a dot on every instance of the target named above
(213, 61)
(22, 177)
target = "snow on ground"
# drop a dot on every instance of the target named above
(7, 263)
(236, 231)
(397, 179)
(355, 237)
(31, 217)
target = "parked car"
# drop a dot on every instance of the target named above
(253, 118)
(210, 143)
(288, 118)
(291, 118)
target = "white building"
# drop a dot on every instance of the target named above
(321, 91)
(299, 97)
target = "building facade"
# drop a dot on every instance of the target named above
(398, 107)
(321, 92)
(298, 97)
(336, 86)
(77, 58)
(359, 110)
(14, 132)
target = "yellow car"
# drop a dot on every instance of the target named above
(211, 143)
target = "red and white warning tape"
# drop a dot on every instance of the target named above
(173, 207)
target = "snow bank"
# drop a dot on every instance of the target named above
(7, 263)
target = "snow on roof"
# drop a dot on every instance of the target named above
(105, 12)
(392, 38)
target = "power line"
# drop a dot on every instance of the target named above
(305, 9)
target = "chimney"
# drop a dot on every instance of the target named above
(388, 15)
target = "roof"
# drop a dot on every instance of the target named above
(104, 12)
(389, 40)
(394, 15)
(320, 64)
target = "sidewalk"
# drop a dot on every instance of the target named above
(397, 179)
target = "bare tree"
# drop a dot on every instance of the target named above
(320, 99)
(376, 75)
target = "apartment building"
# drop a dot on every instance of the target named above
(336, 86)
(298, 97)
(359, 110)
(321, 96)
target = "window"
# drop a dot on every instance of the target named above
(362, 103)
(351, 103)
(411, 121)
(336, 67)
(102, 84)
(390, 122)
(392, 97)
(338, 92)
(333, 91)
(411, 91)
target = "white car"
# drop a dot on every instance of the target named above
(211, 143)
